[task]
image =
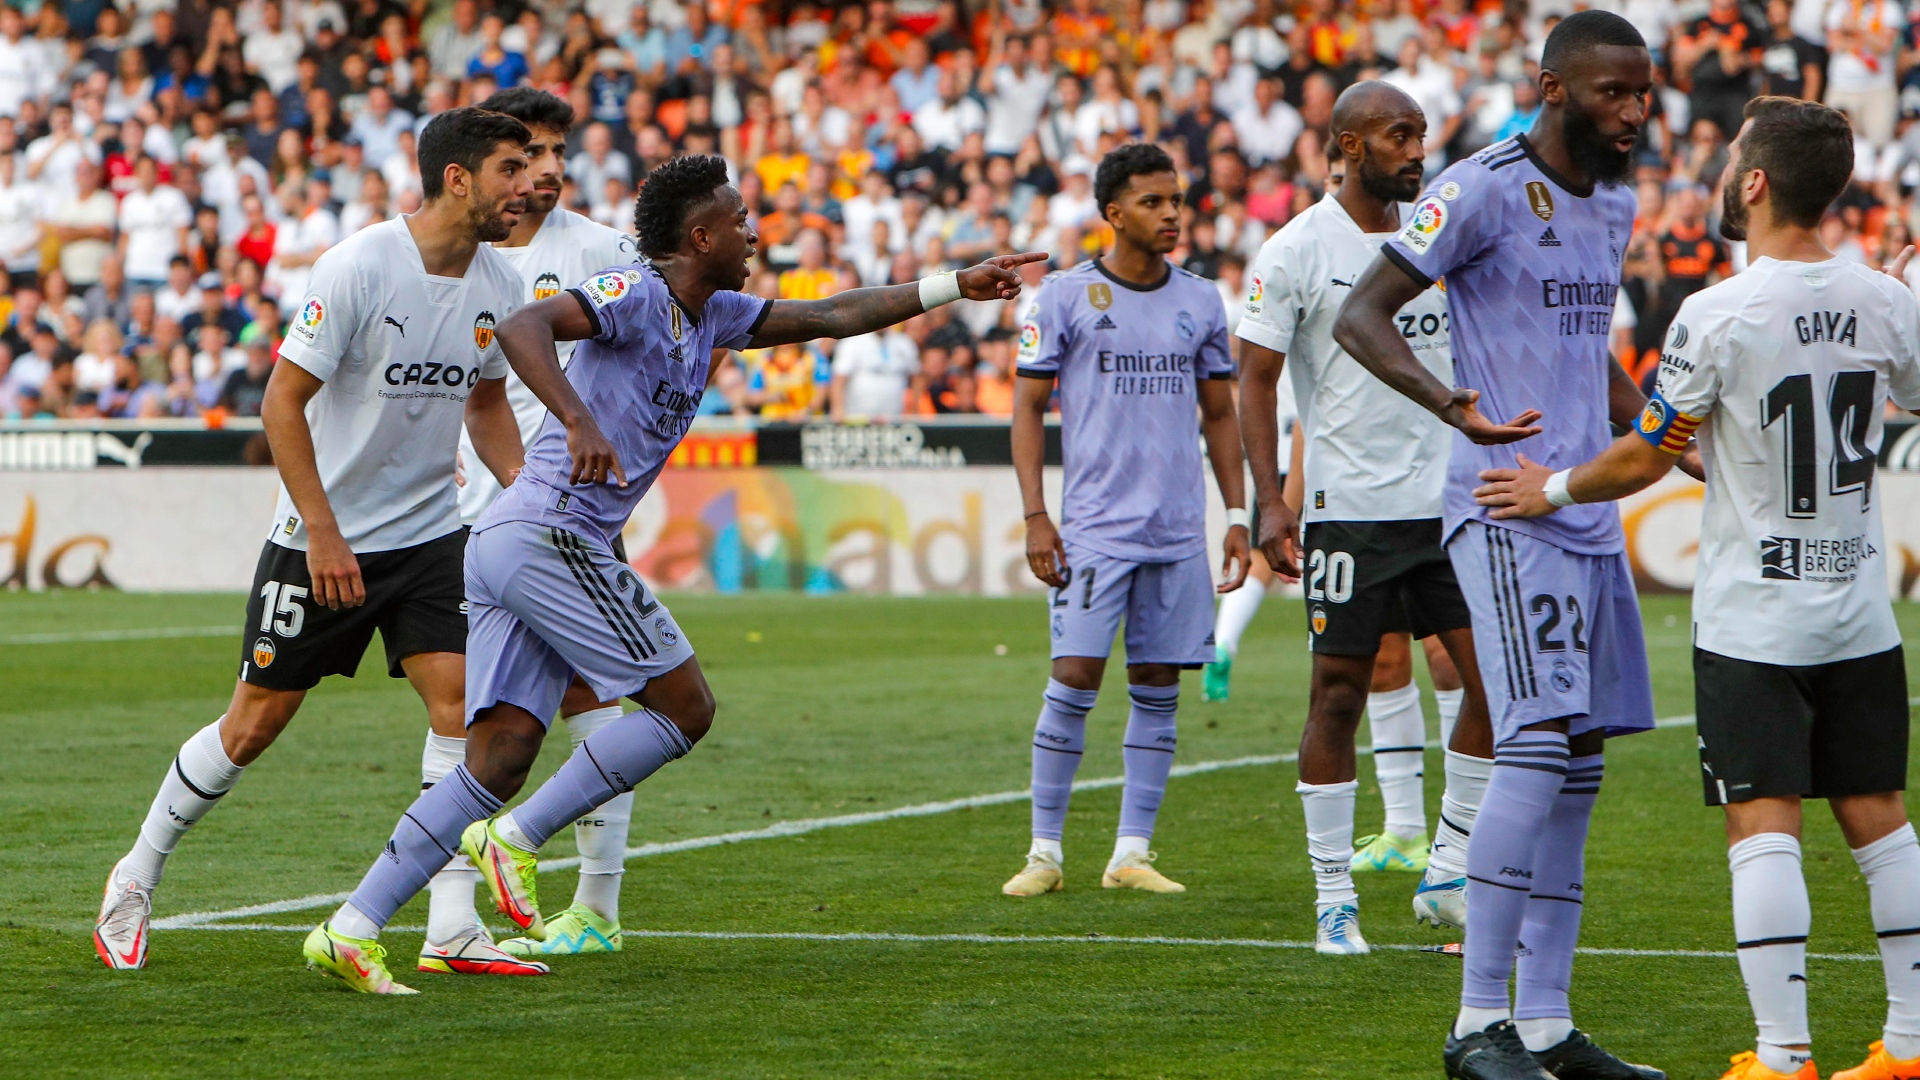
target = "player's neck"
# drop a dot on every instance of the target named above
(1134, 264)
(1550, 145)
(683, 279)
(525, 230)
(1790, 243)
(440, 233)
(1371, 214)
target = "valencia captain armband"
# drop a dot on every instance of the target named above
(1666, 427)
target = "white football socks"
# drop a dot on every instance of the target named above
(1049, 848)
(510, 831)
(195, 780)
(1126, 847)
(1399, 758)
(1459, 807)
(1472, 1019)
(348, 921)
(1329, 812)
(450, 910)
(1447, 703)
(1542, 1035)
(1891, 866)
(1771, 918)
(1237, 610)
(601, 836)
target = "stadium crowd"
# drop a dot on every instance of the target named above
(169, 171)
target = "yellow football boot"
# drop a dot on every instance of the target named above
(1881, 1065)
(1136, 872)
(1041, 875)
(1746, 1066)
(361, 963)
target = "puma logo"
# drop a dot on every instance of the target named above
(400, 326)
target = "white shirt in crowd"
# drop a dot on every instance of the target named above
(51, 161)
(80, 259)
(876, 367)
(1014, 108)
(399, 351)
(1372, 454)
(1267, 136)
(945, 126)
(1852, 71)
(22, 205)
(150, 223)
(316, 231)
(169, 304)
(274, 57)
(23, 74)
(1784, 362)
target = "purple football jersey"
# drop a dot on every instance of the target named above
(641, 375)
(1129, 359)
(1531, 264)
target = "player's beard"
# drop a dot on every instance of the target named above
(489, 222)
(543, 200)
(1592, 150)
(1733, 210)
(1398, 186)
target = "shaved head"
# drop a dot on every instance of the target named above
(1380, 132)
(1366, 104)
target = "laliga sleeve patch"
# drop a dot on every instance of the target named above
(1256, 294)
(1666, 427)
(604, 289)
(313, 312)
(1029, 342)
(1429, 219)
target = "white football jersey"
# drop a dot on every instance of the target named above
(1786, 369)
(567, 250)
(399, 350)
(1372, 454)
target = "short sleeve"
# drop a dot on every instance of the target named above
(616, 301)
(1214, 360)
(1453, 224)
(1043, 335)
(1689, 383)
(1903, 380)
(736, 317)
(1272, 311)
(323, 328)
(493, 359)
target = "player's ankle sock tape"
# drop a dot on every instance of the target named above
(1544, 1033)
(1399, 733)
(1059, 738)
(1237, 610)
(1148, 752)
(1459, 808)
(601, 836)
(612, 761)
(1527, 774)
(1891, 866)
(441, 755)
(1328, 809)
(427, 836)
(1551, 928)
(1771, 918)
(581, 726)
(1447, 703)
(196, 779)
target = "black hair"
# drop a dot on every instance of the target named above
(532, 107)
(669, 193)
(1123, 164)
(464, 137)
(1806, 150)
(1583, 30)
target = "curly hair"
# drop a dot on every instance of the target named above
(1123, 164)
(669, 193)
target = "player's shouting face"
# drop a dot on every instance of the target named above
(723, 239)
(1602, 96)
(1146, 212)
(497, 193)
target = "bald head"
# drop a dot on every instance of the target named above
(1369, 104)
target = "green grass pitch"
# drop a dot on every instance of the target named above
(827, 707)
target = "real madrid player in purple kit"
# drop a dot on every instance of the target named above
(1528, 235)
(1139, 348)
(548, 598)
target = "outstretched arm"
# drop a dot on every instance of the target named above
(862, 311)
(528, 338)
(1365, 329)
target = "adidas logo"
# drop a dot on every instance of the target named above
(1105, 323)
(1547, 239)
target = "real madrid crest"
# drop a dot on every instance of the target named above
(1100, 295)
(1540, 200)
(674, 317)
(547, 284)
(483, 329)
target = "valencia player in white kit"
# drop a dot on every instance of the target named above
(1799, 677)
(553, 249)
(389, 353)
(1374, 467)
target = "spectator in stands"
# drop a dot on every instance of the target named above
(177, 297)
(246, 387)
(83, 225)
(871, 372)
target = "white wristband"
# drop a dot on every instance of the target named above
(1557, 492)
(1237, 515)
(939, 289)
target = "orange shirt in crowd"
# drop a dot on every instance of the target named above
(800, 283)
(778, 170)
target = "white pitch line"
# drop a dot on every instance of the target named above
(200, 920)
(1059, 939)
(148, 634)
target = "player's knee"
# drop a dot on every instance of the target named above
(693, 715)
(254, 720)
(1338, 703)
(1079, 672)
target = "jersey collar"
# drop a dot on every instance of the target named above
(1340, 208)
(1109, 275)
(1546, 170)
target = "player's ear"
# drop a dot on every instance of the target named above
(456, 180)
(1552, 90)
